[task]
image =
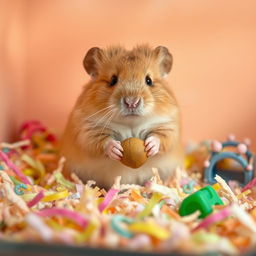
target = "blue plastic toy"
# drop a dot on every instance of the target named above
(243, 157)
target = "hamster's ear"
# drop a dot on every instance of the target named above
(91, 61)
(164, 58)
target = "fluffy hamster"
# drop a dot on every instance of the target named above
(127, 96)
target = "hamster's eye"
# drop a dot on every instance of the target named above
(114, 80)
(148, 81)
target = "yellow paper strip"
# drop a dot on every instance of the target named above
(152, 202)
(56, 196)
(149, 228)
(83, 237)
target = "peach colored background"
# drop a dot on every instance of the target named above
(43, 42)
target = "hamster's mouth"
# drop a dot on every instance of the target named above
(132, 113)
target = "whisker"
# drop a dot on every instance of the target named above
(99, 111)
(108, 121)
(160, 99)
(92, 124)
(101, 119)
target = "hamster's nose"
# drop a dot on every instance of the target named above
(131, 102)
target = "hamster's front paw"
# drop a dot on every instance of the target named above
(152, 145)
(114, 150)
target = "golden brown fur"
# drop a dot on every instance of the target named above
(99, 117)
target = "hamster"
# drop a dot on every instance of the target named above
(127, 96)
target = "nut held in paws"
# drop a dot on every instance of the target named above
(134, 154)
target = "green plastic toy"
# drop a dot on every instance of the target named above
(202, 200)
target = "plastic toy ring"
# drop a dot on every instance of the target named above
(115, 224)
(18, 189)
(189, 188)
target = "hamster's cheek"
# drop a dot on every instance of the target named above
(148, 103)
(115, 97)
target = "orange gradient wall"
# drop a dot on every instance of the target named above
(13, 54)
(213, 44)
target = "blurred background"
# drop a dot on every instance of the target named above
(43, 43)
